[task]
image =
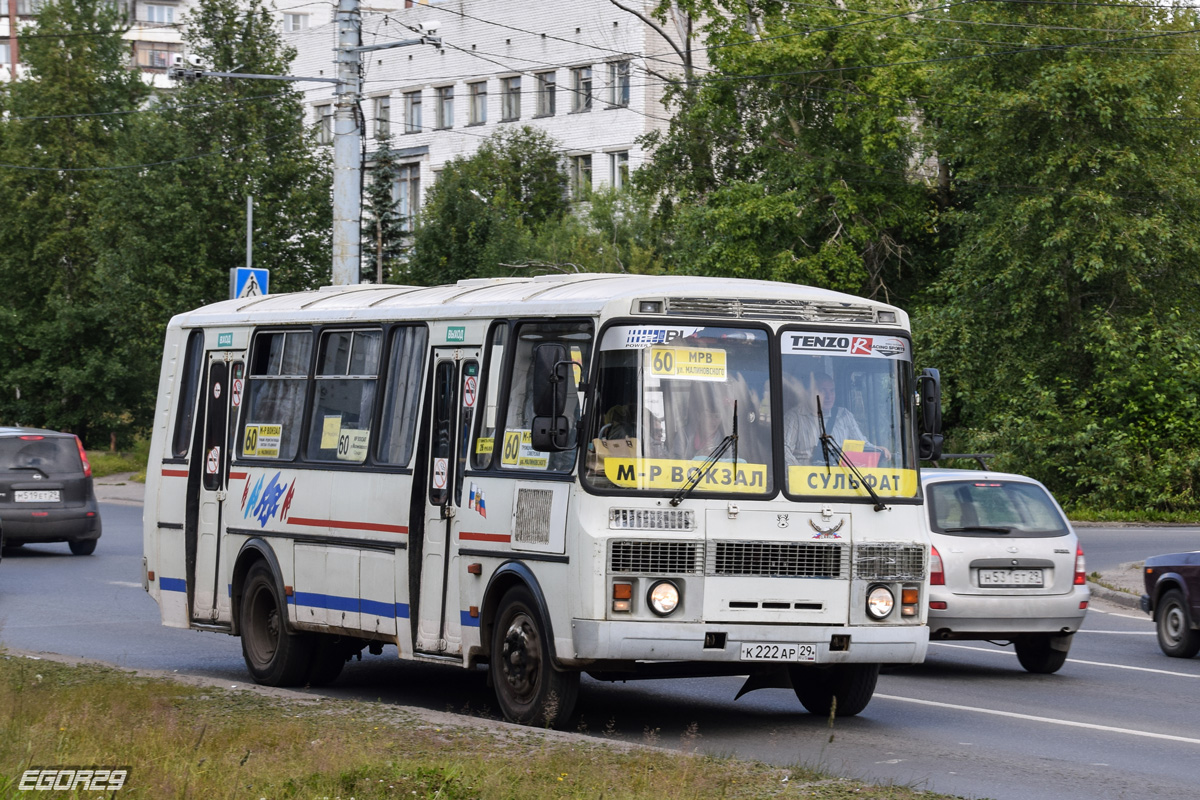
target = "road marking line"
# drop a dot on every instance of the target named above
(1073, 661)
(1121, 633)
(1048, 720)
(1117, 614)
(130, 584)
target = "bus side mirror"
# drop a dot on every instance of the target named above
(551, 382)
(929, 394)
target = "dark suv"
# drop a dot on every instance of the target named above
(46, 492)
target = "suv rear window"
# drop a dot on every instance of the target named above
(48, 454)
(993, 508)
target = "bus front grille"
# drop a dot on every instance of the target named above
(889, 562)
(655, 558)
(778, 559)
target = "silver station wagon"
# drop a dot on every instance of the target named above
(1006, 566)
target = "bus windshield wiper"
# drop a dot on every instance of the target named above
(698, 474)
(980, 528)
(827, 444)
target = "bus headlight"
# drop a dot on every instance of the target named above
(880, 602)
(663, 598)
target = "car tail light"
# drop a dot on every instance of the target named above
(937, 576)
(87, 465)
(1080, 566)
(31, 438)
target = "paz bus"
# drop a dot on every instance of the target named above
(624, 476)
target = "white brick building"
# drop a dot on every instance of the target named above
(577, 70)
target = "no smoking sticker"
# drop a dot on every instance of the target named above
(441, 467)
(236, 397)
(212, 463)
(470, 391)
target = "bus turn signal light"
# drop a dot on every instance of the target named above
(622, 596)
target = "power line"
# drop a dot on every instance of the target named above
(221, 152)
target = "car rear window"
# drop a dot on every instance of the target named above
(1001, 508)
(45, 453)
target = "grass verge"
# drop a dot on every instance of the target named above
(106, 462)
(182, 741)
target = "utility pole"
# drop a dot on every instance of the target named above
(347, 137)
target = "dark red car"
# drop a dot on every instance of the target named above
(1173, 599)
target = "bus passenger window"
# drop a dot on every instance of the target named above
(516, 449)
(344, 397)
(274, 404)
(193, 363)
(401, 395)
(481, 453)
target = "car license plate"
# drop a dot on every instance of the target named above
(766, 651)
(39, 496)
(1010, 578)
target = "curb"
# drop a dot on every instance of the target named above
(1113, 596)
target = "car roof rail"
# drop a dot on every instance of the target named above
(980, 458)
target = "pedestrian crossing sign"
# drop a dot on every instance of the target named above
(249, 282)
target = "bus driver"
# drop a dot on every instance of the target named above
(802, 427)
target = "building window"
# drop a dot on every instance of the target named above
(5, 56)
(581, 174)
(162, 15)
(547, 82)
(618, 83)
(477, 112)
(510, 98)
(408, 195)
(324, 124)
(581, 88)
(445, 106)
(618, 169)
(295, 22)
(383, 117)
(155, 55)
(412, 112)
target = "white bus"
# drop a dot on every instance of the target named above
(628, 476)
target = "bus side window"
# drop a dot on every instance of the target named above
(481, 453)
(401, 395)
(344, 397)
(516, 452)
(189, 386)
(274, 403)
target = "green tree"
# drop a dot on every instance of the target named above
(485, 209)
(60, 131)
(384, 231)
(1073, 222)
(168, 235)
(809, 145)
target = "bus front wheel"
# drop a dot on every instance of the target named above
(843, 690)
(274, 656)
(529, 689)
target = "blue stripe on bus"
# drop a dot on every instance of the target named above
(337, 603)
(467, 621)
(172, 584)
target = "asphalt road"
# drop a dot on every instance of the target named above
(1118, 721)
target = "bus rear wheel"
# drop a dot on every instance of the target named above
(274, 656)
(843, 690)
(528, 688)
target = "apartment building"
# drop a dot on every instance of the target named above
(155, 35)
(581, 71)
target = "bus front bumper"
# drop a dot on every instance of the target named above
(600, 640)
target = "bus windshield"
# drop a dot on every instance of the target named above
(846, 415)
(667, 398)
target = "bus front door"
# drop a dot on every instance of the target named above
(455, 386)
(210, 471)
